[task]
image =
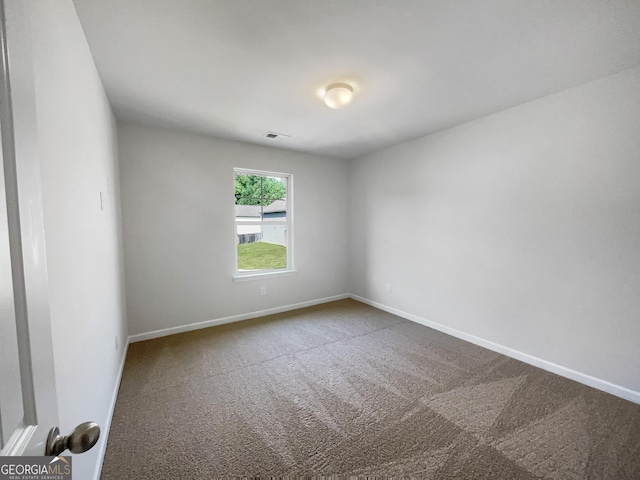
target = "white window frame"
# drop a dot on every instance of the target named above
(241, 276)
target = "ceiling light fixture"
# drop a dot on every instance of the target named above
(338, 95)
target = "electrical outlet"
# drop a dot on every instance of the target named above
(117, 343)
(388, 288)
(263, 290)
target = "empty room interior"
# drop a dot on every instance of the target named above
(267, 238)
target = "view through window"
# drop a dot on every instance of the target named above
(263, 233)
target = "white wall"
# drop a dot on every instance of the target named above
(179, 233)
(522, 228)
(78, 154)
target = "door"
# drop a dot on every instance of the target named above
(28, 405)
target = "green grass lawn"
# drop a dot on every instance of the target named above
(261, 256)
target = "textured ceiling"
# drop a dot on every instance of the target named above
(239, 68)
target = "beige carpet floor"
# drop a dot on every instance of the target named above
(343, 389)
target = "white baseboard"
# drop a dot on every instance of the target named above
(617, 390)
(235, 318)
(107, 425)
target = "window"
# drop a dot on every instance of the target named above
(263, 223)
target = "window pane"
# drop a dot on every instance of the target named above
(258, 189)
(275, 211)
(249, 200)
(261, 247)
(261, 221)
(248, 213)
(274, 188)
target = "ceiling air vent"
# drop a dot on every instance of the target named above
(274, 135)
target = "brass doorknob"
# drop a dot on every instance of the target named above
(83, 437)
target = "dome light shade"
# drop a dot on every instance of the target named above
(338, 95)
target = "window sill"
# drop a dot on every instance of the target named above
(260, 276)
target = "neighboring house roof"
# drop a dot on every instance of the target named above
(247, 210)
(277, 206)
(254, 210)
